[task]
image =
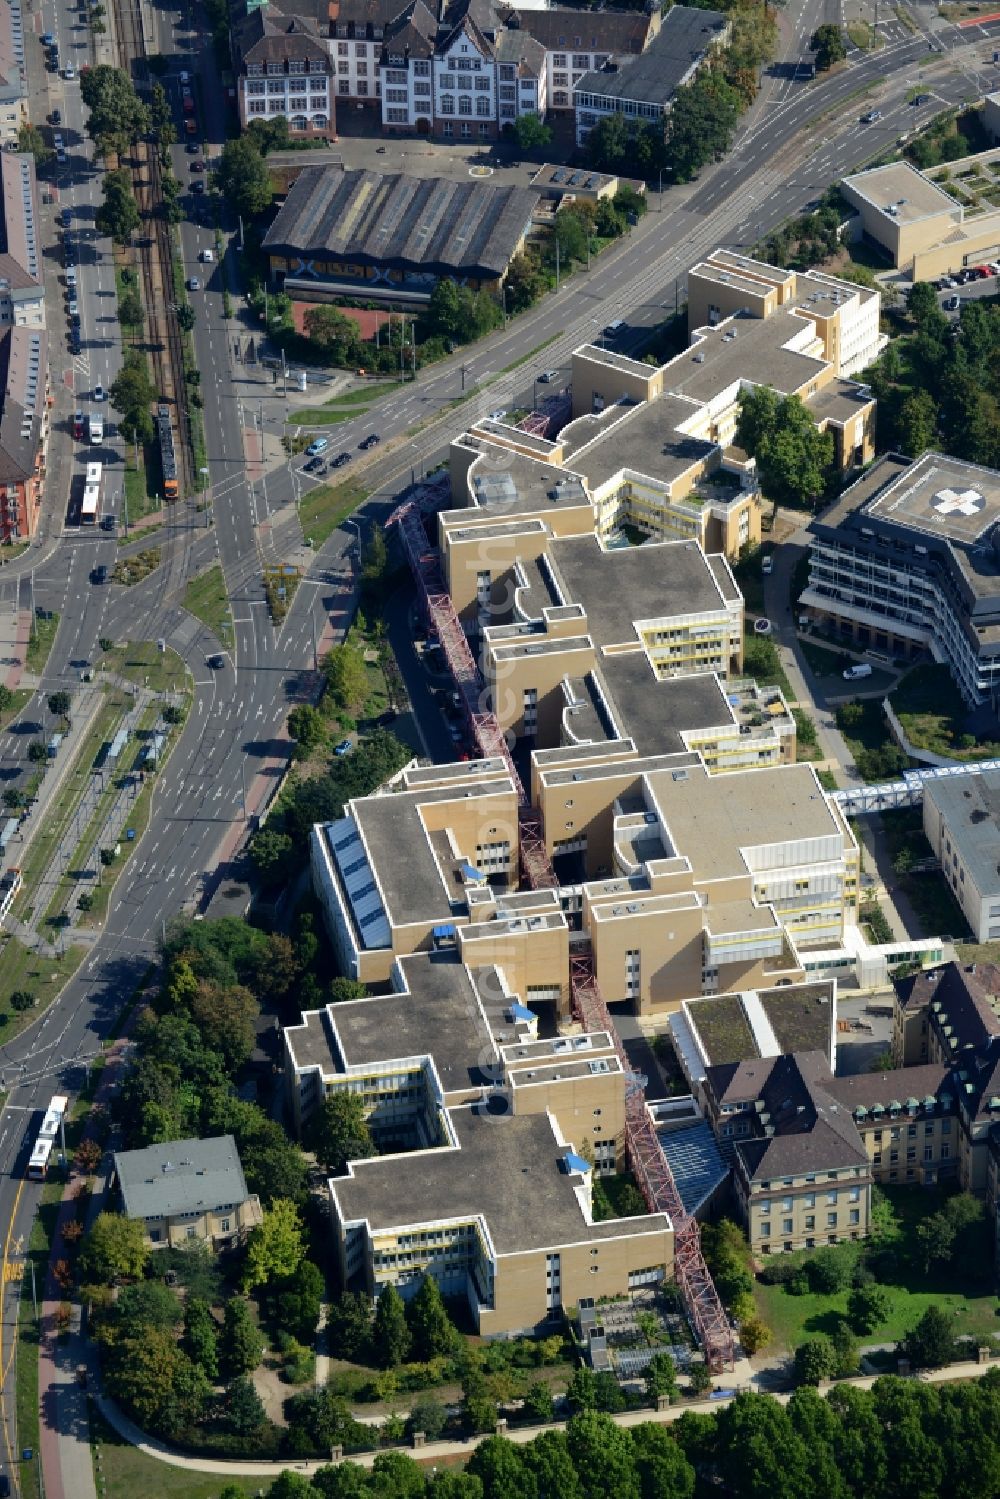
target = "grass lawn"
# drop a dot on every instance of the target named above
(22, 696)
(63, 807)
(762, 662)
(20, 968)
(142, 484)
(937, 910)
(40, 643)
(930, 708)
(143, 663)
(340, 408)
(824, 662)
(323, 508)
(792, 1319)
(127, 1472)
(863, 35)
(205, 597)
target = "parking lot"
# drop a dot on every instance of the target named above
(974, 288)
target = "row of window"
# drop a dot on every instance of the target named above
(788, 1224)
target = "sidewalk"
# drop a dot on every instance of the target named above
(64, 1431)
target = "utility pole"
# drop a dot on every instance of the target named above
(557, 265)
(243, 782)
(413, 347)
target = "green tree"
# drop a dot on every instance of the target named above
(845, 1349)
(241, 1346)
(243, 178)
(923, 306)
(479, 1409)
(390, 1335)
(348, 1325)
(156, 1382)
(305, 725)
(538, 1404)
(932, 1342)
(148, 1303)
(548, 1458)
(661, 1377)
(59, 704)
(815, 1359)
(432, 1333)
(21, 1000)
(570, 238)
(297, 1301)
(699, 1378)
(32, 142)
(503, 1470)
(429, 1416)
(531, 133)
(346, 679)
(275, 1247)
(525, 281)
(243, 1408)
(794, 459)
(376, 557)
(581, 1392)
(342, 989)
(664, 1471)
(700, 125)
(758, 1454)
(338, 1132)
(336, 334)
(118, 215)
(113, 1249)
(225, 1017)
(603, 1456)
(201, 1337)
(917, 423)
(117, 114)
(828, 43)
(186, 317)
(754, 1335)
(868, 1307)
(272, 854)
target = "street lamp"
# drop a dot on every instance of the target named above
(357, 531)
(503, 301)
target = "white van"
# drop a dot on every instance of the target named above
(854, 672)
(95, 426)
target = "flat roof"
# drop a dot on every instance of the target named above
(504, 1170)
(914, 195)
(410, 878)
(970, 804)
(659, 580)
(643, 437)
(408, 223)
(181, 1176)
(745, 348)
(711, 819)
(838, 402)
(655, 714)
(942, 496)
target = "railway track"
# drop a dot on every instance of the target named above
(155, 253)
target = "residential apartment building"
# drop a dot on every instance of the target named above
(13, 77)
(24, 428)
(962, 824)
(904, 561)
(284, 70)
(643, 89)
(188, 1190)
(22, 290)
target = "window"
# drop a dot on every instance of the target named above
(581, 60)
(395, 75)
(787, 1226)
(765, 1206)
(558, 59)
(482, 106)
(809, 1201)
(296, 65)
(396, 116)
(810, 1220)
(483, 85)
(421, 90)
(831, 1220)
(447, 80)
(343, 68)
(359, 49)
(342, 49)
(344, 86)
(854, 1195)
(855, 1216)
(447, 104)
(227, 1224)
(464, 104)
(831, 1197)
(765, 1230)
(421, 69)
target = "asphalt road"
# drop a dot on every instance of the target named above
(798, 138)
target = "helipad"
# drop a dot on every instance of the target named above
(943, 497)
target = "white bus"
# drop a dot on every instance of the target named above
(47, 1136)
(90, 507)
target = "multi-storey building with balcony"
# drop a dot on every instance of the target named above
(284, 70)
(24, 428)
(906, 560)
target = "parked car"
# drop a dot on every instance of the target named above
(47, 39)
(69, 73)
(343, 748)
(99, 392)
(952, 304)
(198, 186)
(193, 284)
(192, 147)
(547, 377)
(55, 118)
(206, 257)
(198, 166)
(371, 441)
(872, 117)
(60, 156)
(318, 445)
(340, 460)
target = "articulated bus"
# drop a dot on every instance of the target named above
(47, 1136)
(90, 507)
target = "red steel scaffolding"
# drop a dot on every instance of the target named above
(645, 1153)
